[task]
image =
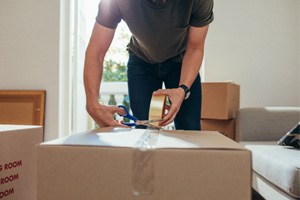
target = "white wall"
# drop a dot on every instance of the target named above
(299, 47)
(256, 44)
(29, 52)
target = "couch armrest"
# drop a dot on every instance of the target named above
(265, 123)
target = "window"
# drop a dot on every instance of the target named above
(114, 86)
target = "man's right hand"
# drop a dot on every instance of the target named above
(104, 115)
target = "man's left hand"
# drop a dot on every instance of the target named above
(176, 97)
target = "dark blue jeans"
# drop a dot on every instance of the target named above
(145, 78)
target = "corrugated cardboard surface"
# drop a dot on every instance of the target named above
(183, 165)
(23, 107)
(18, 161)
(226, 127)
(220, 100)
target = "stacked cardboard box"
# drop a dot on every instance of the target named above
(18, 161)
(220, 103)
(141, 164)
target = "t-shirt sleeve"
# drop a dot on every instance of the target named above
(108, 14)
(202, 13)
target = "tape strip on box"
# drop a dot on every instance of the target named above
(143, 166)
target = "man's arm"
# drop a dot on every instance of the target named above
(100, 41)
(191, 64)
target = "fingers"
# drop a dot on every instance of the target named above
(104, 115)
(160, 92)
(116, 123)
(111, 123)
(167, 121)
(118, 110)
(170, 116)
(176, 98)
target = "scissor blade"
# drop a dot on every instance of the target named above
(150, 126)
(145, 122)
(151, 121)
(148, 123)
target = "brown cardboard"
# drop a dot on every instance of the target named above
(220, 100)
(110, 164)
(226, 127)
(18, 161)
(23, 107)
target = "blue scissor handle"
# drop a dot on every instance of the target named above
(128, 116)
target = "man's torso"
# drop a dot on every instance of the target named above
(159, 31)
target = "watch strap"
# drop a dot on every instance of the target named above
(186, 90)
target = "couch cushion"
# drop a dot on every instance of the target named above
(265, 123)
(278, 164)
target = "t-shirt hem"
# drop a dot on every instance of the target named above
(203, 23)
(107, 25)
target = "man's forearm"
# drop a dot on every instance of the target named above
(92, 78)
(191, 64)
(99, 43)
(193, 57)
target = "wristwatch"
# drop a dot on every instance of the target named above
(186, 90)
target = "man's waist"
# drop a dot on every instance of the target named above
(177, 58)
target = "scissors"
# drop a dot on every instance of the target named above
(136, 121)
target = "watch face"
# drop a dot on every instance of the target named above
(187, 95)
(186, 90)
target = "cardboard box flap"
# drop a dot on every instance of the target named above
(12, 127)
(218, 82)
(132, 138)
(196, 139)
(110, 137)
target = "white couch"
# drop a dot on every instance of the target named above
(276, 169)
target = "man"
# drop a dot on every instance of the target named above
(167, 45)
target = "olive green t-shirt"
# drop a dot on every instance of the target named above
(159, 32)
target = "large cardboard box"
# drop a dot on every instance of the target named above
(128, 164)
(220, 100)
(18, 161)
(226, 127)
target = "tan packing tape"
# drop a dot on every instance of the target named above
(143, 166)
(157, 108)
(143, 172)
(143, 169)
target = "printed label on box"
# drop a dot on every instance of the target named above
(10, 166)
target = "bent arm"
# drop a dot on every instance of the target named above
(193, 56)
(100, 41)
(191, 64)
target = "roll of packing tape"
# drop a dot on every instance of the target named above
(157, 108)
